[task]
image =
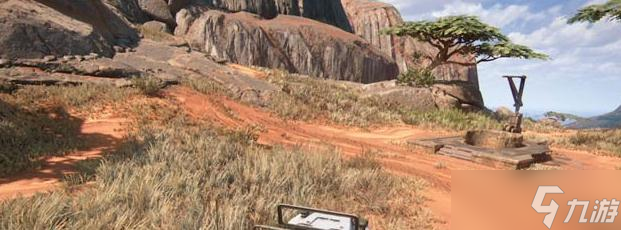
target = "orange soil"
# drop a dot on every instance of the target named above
(100, 135)
(389, 141)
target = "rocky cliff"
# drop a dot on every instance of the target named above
(34, 29)
(368, 18)
(296, 44)
(326, 11)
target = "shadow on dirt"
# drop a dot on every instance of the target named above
(29, 139)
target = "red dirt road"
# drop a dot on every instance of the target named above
(389, 141)
(99, 135)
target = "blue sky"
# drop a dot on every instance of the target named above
(584, 75)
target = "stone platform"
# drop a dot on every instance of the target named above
(515, 158)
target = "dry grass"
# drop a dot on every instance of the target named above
(542, 167)
(148, 85)
(453, 119)
(173, 173)
(603, 141)
(186, 176)
(304, 98)
(36, 121)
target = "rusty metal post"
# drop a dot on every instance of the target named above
(515, 125)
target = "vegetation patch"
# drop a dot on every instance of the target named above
(303, 98)
(188, 176)
(607, 141)
(148, 85)
(35, 121)
(451, 119)
(417, 77)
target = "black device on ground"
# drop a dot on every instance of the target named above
(305, 218)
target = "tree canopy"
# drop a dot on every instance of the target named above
(594, 13)
(463, 35)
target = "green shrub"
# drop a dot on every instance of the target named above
(417, 77)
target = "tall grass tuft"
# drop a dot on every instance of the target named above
(307, 99)
(188, 177)
(36, 121)
(451, 119)
(605, 141)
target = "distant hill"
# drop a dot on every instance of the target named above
(609, 120)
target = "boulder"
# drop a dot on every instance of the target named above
(420, 99)
(156, 26)
(295, 44)
(130, 9)
(34, 29)
(504, 113)
(440, 96)
(157, 10)
(326, 11)
(368, 18)
(464, 92)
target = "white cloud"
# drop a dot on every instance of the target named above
(584, 73)
(497, 15)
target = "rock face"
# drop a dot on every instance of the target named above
(158, 10)
(130, 9)
(34, 29)
(368, 18)
(441, 96)
(326, 11)
(264, 8)
(295, 44)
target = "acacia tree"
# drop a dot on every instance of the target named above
(463, 35)
(594, 13)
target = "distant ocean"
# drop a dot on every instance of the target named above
(539, 114)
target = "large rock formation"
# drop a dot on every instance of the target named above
(368, 18)
(34, 29)
(295, 44)
(326, 11)
(452, 95)
(157, 10)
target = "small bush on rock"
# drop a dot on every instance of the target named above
(417, 77)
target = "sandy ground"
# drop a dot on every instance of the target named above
(389, 142)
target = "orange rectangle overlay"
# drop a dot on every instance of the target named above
(495, 200)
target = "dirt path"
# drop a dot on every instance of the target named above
(389, 141)
(100, 135)
(582, 160)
